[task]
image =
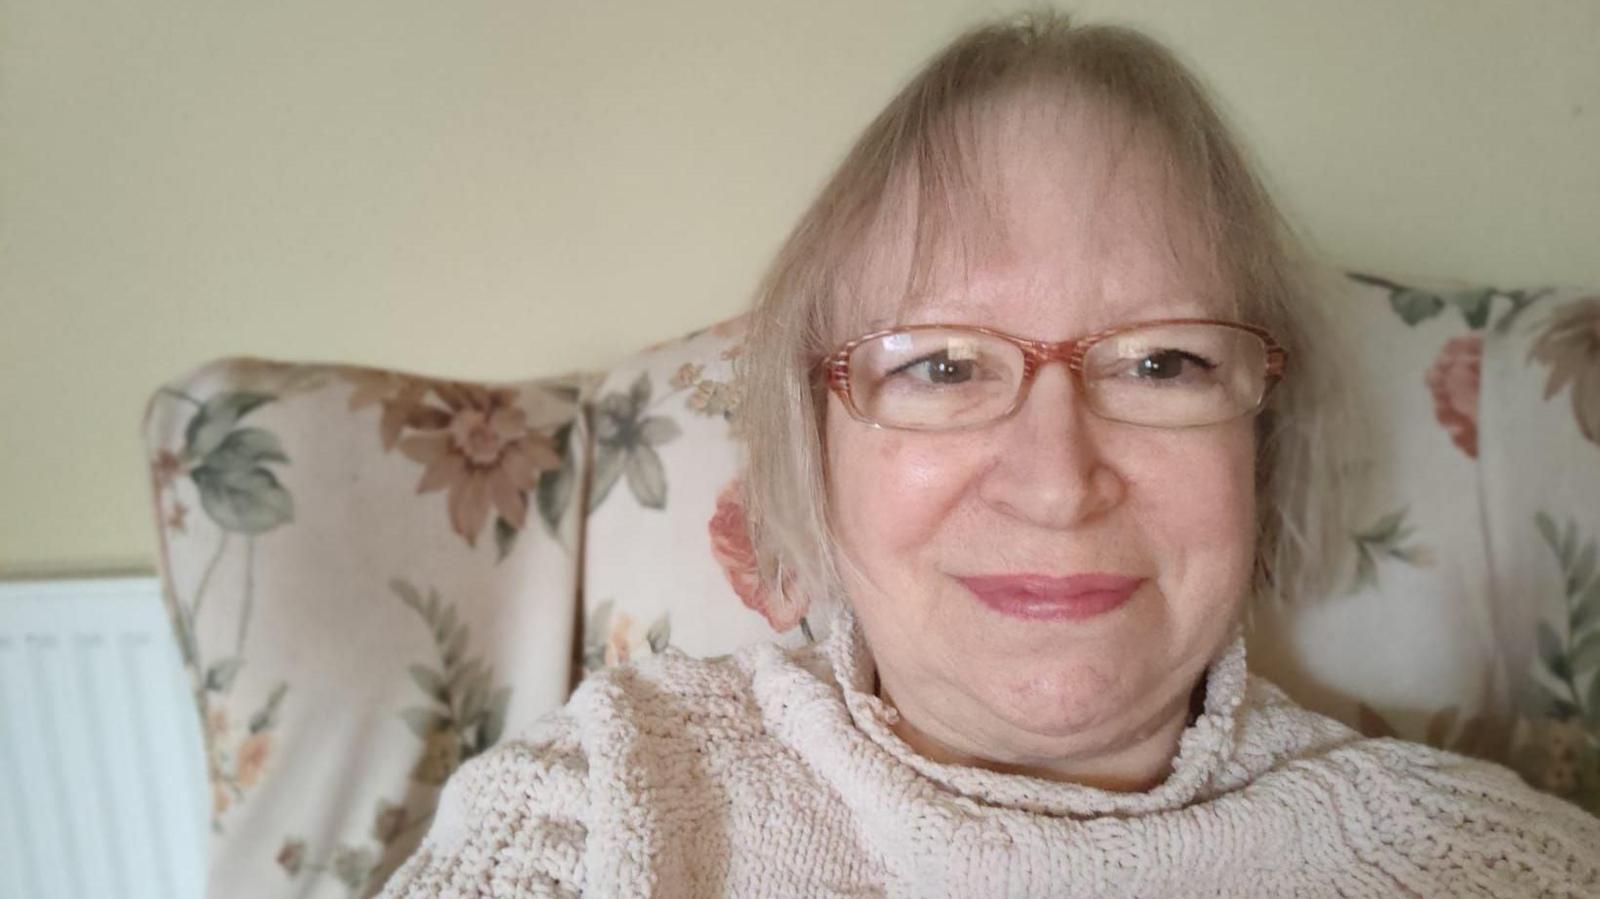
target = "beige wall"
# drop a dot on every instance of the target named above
(505, 189)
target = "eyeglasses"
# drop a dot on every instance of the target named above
(1170, 373)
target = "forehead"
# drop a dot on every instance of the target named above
(1053, 220)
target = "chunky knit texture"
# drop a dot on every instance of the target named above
(773, 773)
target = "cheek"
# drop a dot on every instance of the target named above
(891, 495)
(1198, 506)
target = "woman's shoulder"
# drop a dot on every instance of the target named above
(1276, 732)
(1469, 821)
(673, 693)
(668, 696)
(533, 803)
(1435, 809)
(521, 807)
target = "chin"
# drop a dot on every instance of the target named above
(1060, 704)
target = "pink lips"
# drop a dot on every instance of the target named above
(1037, 596)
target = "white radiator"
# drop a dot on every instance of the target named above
(101, 778)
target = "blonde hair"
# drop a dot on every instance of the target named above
(912, 169)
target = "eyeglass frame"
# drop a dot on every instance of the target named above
(835, 367)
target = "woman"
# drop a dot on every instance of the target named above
(1035, 684)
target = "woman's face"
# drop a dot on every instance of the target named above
(1053, 490)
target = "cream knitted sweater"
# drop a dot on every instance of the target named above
(773, 773)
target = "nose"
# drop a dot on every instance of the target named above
(1047, 467)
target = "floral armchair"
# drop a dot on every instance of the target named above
(374, 575)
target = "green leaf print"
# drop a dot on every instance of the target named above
(216, 417)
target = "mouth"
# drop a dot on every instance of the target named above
(1037, 597)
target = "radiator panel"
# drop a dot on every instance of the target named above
(101, 768)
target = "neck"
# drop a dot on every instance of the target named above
(1136, 766)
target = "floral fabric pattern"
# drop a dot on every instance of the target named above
(1570, 347)
(474, 442)
(1454, 378)
(668, 561)
(466, 713)
(1545, 539)
(730, 544)
(229, 466)
(298, 513)
(1453, 381)
(1564, 757)
(1386, 539)
(611, 640)
(463, 715)
(1430, 516)
(626, 441)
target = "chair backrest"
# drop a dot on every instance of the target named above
(372, 577)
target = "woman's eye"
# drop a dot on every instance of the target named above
(1169, 365)
(939, 368)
